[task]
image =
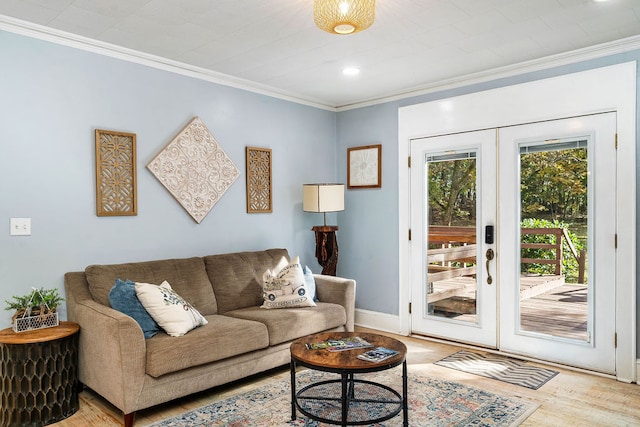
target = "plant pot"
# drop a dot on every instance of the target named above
(40, 317)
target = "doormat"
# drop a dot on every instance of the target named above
(498, 368)
(431, 402)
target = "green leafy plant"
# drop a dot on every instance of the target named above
(569, 263)
(38, 301)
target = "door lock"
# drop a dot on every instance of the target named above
(490, 255)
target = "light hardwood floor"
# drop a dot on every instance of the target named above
(570, 399)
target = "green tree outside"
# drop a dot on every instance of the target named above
(553, 191)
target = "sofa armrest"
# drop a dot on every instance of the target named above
(112, 348)
(338, 290)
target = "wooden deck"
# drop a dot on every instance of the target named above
(561, 312)
(547, 304)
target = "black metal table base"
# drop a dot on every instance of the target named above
(349, 401)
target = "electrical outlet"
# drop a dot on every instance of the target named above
(20, 226)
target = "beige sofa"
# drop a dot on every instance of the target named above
(239, 340)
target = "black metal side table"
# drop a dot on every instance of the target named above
(38, 375)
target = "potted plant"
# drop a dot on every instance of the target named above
(37, 303)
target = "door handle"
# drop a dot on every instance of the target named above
(490, 255)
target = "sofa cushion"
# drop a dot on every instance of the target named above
(292, 323)
(123, 298)
(237, 277)
(311, 283)
(285, 286)
(221, 338)
(187, 277)
(175, 315)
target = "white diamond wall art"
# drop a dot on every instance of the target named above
(195, 169)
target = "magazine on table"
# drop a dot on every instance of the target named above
(348, 343)
(377, 354)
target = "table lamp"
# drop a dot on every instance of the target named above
(324, 198)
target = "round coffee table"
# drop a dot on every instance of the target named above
(348, 401)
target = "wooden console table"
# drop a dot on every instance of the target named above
(38, 375)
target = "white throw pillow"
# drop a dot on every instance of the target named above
(175, 315)
(285, 287)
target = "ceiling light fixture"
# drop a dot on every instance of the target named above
(344, 16)
(350, 71)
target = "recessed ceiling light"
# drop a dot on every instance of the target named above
(350, 71)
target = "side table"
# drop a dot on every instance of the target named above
(38, 375)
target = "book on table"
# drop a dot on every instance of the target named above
(377, 354)
(347, 343)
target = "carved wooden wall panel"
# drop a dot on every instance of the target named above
(259, 197)
(195, 169)
(115, 173)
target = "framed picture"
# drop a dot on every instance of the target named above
(364, 166)
(116, 193)
(258, 180)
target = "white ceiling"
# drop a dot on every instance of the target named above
(275, 46)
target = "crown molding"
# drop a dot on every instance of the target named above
(64, 38)
(567, 58)
(42, 32)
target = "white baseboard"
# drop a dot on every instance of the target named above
(376, 320)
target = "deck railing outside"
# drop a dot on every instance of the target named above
(559, 234)
(450, 240)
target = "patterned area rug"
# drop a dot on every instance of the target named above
(432, 402)
(499, 368)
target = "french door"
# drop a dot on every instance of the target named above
(514, 244)
(453, 194)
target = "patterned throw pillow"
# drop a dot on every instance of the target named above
(123, 298)
(286, 287)
(175, 315)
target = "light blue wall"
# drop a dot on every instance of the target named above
(52, 98)
(368, 235)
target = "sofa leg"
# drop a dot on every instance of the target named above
(128, 419)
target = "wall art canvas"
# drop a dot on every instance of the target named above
(115, 173)
(258, 180)
(364, 166)
(195, 169)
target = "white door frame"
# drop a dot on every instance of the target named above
(605, 89)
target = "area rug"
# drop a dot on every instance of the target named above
(499, 368)
(432, 402)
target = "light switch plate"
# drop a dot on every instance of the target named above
(20, 226)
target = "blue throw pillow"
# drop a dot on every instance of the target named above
(123, 298)
(311, 283)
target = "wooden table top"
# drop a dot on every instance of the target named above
(65, 329)
(346, 360)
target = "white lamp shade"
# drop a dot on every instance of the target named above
(323, 197)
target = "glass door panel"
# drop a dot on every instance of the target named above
(451, 251)
(554, 213)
